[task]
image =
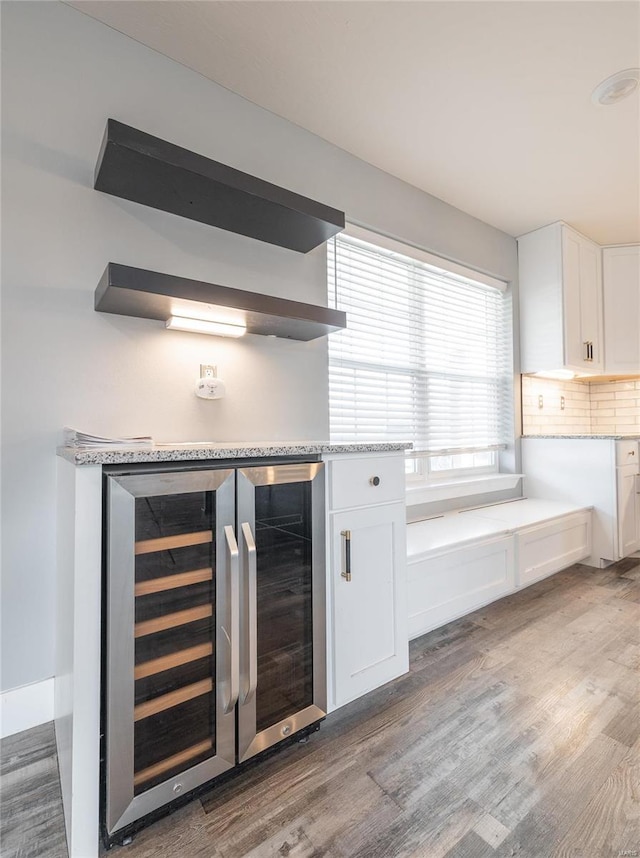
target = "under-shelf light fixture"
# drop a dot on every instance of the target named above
(203, 326)
(561, 374)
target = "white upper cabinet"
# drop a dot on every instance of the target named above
(621, 280)
(560, 276)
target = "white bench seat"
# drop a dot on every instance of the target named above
(452, 530)
(526, 512)
(463, 560)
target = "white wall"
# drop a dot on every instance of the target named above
(63, 74)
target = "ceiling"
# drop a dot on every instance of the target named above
(483, 104)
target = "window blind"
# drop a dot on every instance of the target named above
(426, 356)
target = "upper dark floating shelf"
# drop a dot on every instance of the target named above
(139, 167)
(145, 294)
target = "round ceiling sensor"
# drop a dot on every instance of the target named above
(616, 87)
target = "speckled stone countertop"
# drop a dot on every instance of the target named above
(204, 450)
(591, 437)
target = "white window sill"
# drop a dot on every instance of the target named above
(418, 493)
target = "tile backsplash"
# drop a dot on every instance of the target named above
(590, 408)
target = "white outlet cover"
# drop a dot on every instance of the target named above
(210, 388)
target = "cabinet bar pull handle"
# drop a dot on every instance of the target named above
(172, 582)
(347, 554)
(171, 762)
(174, 698)
(180, 540)
(234, 618)
(250, 613)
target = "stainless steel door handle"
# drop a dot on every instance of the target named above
(250, 621)
(234, 612)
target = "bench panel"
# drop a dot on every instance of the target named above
(454, 583)
(550, 547)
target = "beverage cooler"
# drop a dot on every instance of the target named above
(215, 626)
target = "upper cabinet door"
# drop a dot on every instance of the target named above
(560, 275)
(621, 280)
(582, 289)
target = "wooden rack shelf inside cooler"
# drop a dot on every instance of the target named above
(170, 621)
(175, 659)
(172, 582)
(174, 698)
(171, 762)
(180, 540)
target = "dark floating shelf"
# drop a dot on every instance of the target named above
(139, 167)
(129, 291)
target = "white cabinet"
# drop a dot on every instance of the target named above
(368, 637)
(628, 496)
(621, 283)
(560, 286)
(597, 472)
(628, 510)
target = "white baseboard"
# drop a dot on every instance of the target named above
(25, 707)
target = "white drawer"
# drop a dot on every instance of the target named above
(366, 480)
(626, 452)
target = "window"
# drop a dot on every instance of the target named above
(426, 356)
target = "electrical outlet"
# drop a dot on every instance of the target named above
(540, 402)
(209, 386)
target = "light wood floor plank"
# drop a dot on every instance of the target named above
(31, 820)
(610, 822)
(552, 815)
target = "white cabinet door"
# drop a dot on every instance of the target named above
(560, 284)
(591, 331)
(582, 287)
(574, 353)
(621, 283)
(628, 512)
(370, 637)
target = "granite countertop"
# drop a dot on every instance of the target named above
(179, 452)
(633, 437)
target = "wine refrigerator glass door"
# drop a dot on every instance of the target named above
(172, 668)
(282, 603)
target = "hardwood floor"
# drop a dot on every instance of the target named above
(31, 821)
(516, 733)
